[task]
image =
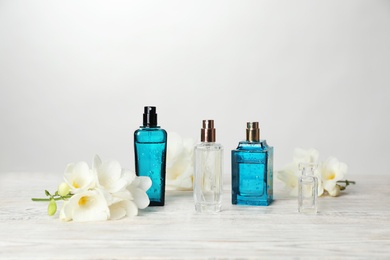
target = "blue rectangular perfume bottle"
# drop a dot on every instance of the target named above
(252, 166)
(150, 145)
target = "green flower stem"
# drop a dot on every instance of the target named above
(48, 199)
(52, 207)
(347, 182)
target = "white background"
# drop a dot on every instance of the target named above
(75, 76)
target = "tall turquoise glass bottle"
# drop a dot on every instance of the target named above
(150, 145)
(252, 170)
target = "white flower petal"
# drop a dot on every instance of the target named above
(332, 171)
(65, 212)
(144, 183)
(69, 169)
(79, 177)
(329, 185)
(110, 199)
(185, 184)
(141, 199)
(117, 211)
(131, 208)
(188, 144)
(174, 146)
(180, 162)
(81, 168)
(89, 206)
(343, 168)
(122, 209)
(320, 187)
(110, 170)
(96, 162)
(289, 175)
(183, 181)
(305, 156)
(128, 175)
(123, 195)
(110, 176)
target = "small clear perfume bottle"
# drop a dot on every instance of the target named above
(208, 171)
(307, 189)
(150, 143)
(252, 170)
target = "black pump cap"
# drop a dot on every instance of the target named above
(150, 116)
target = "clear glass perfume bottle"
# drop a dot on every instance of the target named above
(307, 188)
(252, 170)
(208, 171)
(150, 143)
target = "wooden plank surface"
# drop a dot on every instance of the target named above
(356, 224)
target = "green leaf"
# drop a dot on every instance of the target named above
(47, 193)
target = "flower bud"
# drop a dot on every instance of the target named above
(63, 189)
(335, 192)
(52, 208)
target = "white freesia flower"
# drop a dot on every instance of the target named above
(105, 192)
(79, 177)
(328, 173)
(289, 175)
(110, 175)
(332, 171)
(180, 162)
(134, 197)
(124, 191)
(89, 205)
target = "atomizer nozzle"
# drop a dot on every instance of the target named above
(150, 116)
(207, 133)
(252, 132)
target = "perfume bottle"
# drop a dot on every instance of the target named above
(307, 188)
(150, 143)
(208, 171)
(252, 170)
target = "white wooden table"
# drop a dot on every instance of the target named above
(356, 224)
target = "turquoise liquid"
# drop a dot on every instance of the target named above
(150, 159)
(252, 177)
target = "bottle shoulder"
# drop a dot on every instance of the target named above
(208, 146)
(156, 129)
(150, 134)
(308, 178)
(150, 128)
(260, 146)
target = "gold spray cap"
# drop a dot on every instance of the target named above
(207, 133)
(252, 132)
